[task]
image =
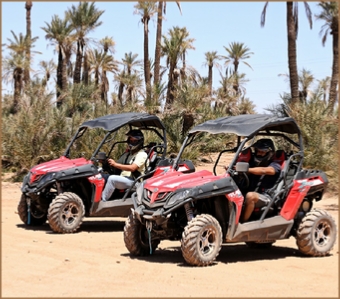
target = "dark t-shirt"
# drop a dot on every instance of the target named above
(267, 181)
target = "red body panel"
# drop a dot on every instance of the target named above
(99, 182)
(171, 180)
(296, 196)
(56, 165)
(163, 169)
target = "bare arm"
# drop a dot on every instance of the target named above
(262, 170)
(128, 167)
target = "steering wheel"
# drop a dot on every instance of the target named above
(159, 149)
(241, 179)
(106, 167)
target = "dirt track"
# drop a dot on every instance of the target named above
(95, 263)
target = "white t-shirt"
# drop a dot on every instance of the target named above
(137, 158)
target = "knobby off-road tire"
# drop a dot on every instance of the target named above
(316, 233)
(66, 213)
(36, 217)
(136, 237)
(201, 240)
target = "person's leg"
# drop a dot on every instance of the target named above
(113, 182)
(251, 200)
(264, 199)
(105, 176)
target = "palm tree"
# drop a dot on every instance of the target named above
(211, 61)
(18, 62)
(134, 84)
(130, 62)
(84, 18)
(246, 106)
(227, 96)
(69, 49)
(158, 93)
(58, 32)
(120, 79)
(108, 44)
(330, 15)
(28, 7)
(306, 78)
(100, 63)
(146, 10)
(20, 44)
(173, 47)
(237, 52)
(292, 32)
(324, 85)
(13, 68)
(189, 103)
(157, 64)
(47, 68)
(187, 44)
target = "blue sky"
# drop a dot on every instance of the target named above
(213, 25)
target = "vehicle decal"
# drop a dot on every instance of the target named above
(238, 199)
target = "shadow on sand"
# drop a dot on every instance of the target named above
(228, 254)
(89, 226)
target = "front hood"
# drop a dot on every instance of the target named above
(56, 165)
(174, 180)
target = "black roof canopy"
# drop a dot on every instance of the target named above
(248, 125)
(115, 121)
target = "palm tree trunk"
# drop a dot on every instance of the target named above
(104, 88)
(129, 92)
(86, 71)
(17, 77)
(235, 79)
(292, 63)
(188, 122)
(120, 92)
(28, 7)
(335, 70)
(59, 76)
(64, 83)
(183, 69)
(210, 79)
(157, 64)
(77, 69)
(169, 94)
(146, 60)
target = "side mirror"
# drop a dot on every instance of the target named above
(242, 166)
(101, 156)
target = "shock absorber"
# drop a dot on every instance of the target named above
(189, 211)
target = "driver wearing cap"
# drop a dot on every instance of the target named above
(263, 173)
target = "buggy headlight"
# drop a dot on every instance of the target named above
(177, 197)
(140, 193)
(46, 179)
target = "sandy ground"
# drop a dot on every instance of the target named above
(95, 263)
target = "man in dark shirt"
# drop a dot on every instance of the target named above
(263, 173)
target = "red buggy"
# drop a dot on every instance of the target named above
(65, 190)
(202, 209)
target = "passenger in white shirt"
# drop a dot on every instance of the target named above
(134, 165)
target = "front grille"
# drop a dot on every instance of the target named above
(160, 201)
